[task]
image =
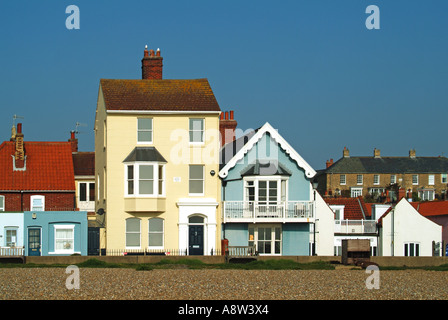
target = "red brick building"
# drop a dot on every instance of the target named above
(36, 175)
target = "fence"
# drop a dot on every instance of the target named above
(11, 251)
(156, 252)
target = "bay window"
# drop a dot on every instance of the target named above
(145, 179)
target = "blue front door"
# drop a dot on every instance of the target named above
(34, 242)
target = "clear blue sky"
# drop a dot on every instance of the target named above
(310, 68)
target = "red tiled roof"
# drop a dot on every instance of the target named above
(84, 163)
(431, 208)
(159, 95)
(49, 167)
(353, 207)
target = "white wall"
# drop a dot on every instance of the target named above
(13, 220)
(403, 225)
(324, 228)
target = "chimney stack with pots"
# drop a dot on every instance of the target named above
(19, 154)
(152, 64)
(73, 141)
(227, 126)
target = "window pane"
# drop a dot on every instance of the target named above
(82, 192)
(196, 124)
(145, 124)
(196, 172)
(196, 219)
(133, 240)
(130, 172)
(155, 224)
(155, 239)
(196, 186)
(146, 187)
(92, 192)
(146, 172)
(133, 225)
(2, 203)
(144, 136)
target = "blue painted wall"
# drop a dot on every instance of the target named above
(296, 239)
(13, 220)
(47, 220)
(236, 233)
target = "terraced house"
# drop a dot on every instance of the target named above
(422, 178)
(156, 163)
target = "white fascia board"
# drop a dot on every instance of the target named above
(160, 112)
(309, 171)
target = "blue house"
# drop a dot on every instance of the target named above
(55, 233)
(268, 199)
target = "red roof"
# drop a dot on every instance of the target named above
(431, 208)
(48, 167)
(354, 208)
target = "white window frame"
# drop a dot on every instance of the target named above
(2, 203)
(427, 194)
(342, 179)
(431, 180)
(393, 178)
(162, 232)
(415, 179)
(355, 192)
(11, 243)
(139, 232)
(70, 227)
(359, 179)
(190, 179)
(192, 130)
(35, 197)
(376, 179)
(156, 181)
(255, 240)
(88, 184)
(282, 188)
(145, 130)
(444, 178)
(414, 246)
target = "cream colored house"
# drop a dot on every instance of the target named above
(157, 162)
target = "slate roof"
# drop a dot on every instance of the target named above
(145, 154)
(84, 163)
(389, 165)
(159, 95)
(49, 167)
(354, 208)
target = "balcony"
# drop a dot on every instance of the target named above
(258, 211)
(355, 226)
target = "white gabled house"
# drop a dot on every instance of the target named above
(403, 231)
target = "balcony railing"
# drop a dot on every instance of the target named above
(258, 211)
(355, 226)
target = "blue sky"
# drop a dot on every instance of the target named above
(310, 68)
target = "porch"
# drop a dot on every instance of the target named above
(262, 211)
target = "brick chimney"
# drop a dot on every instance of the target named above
(412, 153)
(19, 155)
(73, 141)
(227, 126)
(346, 153)
(329, 163)
(152, 64)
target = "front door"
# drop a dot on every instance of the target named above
(196, 240)
(34, 242)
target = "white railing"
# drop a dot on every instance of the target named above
(11, 251)
(355, 226)
(258, 210)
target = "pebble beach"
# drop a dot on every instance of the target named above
(187, 284)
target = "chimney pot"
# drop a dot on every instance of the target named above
(19, 128)
(227, 115)
(231, 115)
(152, 65)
